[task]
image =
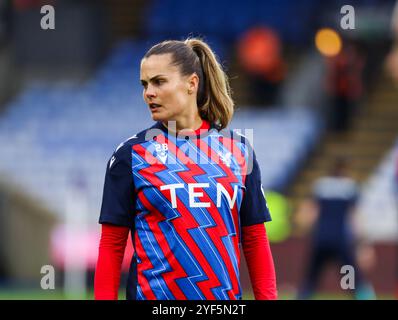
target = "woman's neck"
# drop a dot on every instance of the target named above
(185, 124)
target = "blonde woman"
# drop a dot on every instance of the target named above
(187, 190)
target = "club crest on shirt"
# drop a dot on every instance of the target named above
(226, 158)
(162, 152)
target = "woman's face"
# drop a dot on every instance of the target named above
(168, 94)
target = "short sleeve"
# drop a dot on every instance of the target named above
(118, 195)
(254, 208)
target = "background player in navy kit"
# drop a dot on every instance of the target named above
(396, 197)
(333, 204)
(188, 203)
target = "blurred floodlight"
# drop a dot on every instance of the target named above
(328, 42)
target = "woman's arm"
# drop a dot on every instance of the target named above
(110, 258)
(259, 262)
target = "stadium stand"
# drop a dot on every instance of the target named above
(239, 18)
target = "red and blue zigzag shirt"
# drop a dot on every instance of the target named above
(185, 200)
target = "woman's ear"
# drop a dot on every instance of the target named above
(193, 83)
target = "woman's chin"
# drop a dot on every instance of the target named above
(157, 116)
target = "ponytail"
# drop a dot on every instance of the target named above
(214, 102)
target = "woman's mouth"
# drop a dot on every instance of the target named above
(154, 106)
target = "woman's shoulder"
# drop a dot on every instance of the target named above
(137, 138)
(244, 137)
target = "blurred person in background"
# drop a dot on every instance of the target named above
(396, 203)
(186, 242)
(333, 238)
(345, 84)
(391, 62)
(260, 55)
(3, 22)
(6, 15)
(391, 66)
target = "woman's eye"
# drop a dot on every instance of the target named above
(159, 81)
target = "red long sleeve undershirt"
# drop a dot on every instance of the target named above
(110, 257)
(255, 248)
(259, 262)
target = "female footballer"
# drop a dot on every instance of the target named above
(188, 190)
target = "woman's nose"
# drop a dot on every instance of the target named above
(150, 92)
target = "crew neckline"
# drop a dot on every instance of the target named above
(202, 131)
